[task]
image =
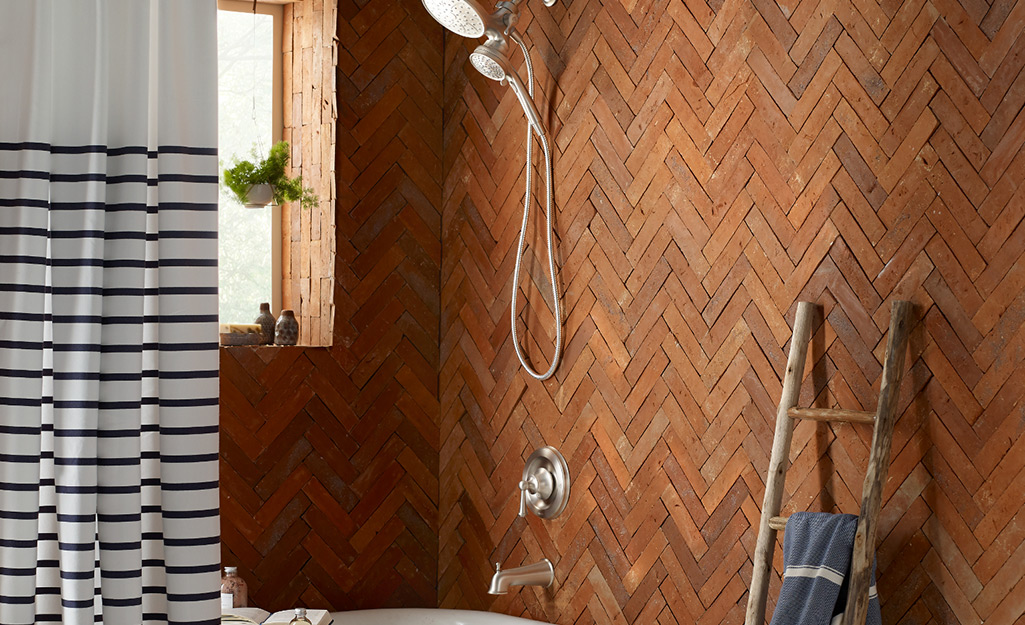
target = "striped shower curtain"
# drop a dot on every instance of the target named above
(108, 277)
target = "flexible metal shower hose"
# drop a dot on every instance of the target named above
(523, 234)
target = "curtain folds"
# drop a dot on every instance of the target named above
(108, 312)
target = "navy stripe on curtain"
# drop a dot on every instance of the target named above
(108, 313)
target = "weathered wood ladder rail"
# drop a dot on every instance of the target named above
(875, 477)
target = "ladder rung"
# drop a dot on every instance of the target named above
(832, 414)
(778, 522)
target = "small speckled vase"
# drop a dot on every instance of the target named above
(286, 332)
(266, 323)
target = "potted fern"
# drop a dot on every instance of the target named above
(256, 185)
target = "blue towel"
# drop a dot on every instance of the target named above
(817, 549)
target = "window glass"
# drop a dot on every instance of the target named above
(245, 83)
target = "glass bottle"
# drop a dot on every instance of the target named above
(234, 592)
(300, 618)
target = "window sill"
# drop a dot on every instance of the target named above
(262, 347)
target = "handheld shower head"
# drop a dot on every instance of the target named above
(468, 18)
(489, 59)
(487, 62)
(463, 17)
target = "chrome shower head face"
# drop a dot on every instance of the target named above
(463, 17)
(488, 63)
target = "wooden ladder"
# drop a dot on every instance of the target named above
(878, 464)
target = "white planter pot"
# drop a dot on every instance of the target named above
(259, 195)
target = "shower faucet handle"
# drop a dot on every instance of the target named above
(540, 483)
(544, 487)
(525, 487)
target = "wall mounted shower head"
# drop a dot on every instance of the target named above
(463, 17)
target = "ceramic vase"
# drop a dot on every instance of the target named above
(266, 323)
(286, 332)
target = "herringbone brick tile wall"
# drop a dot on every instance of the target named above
(716, 161)
(329, 456)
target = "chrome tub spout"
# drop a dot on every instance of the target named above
(539, 574)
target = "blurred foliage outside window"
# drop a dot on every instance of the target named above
(245, 66)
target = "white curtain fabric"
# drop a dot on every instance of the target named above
(108, 312)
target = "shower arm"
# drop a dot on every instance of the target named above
(507, 13)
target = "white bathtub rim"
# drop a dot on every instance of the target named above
(426, 616)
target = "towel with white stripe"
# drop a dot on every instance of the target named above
(817, 551)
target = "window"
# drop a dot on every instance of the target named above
(298, 43)
(249, 110)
